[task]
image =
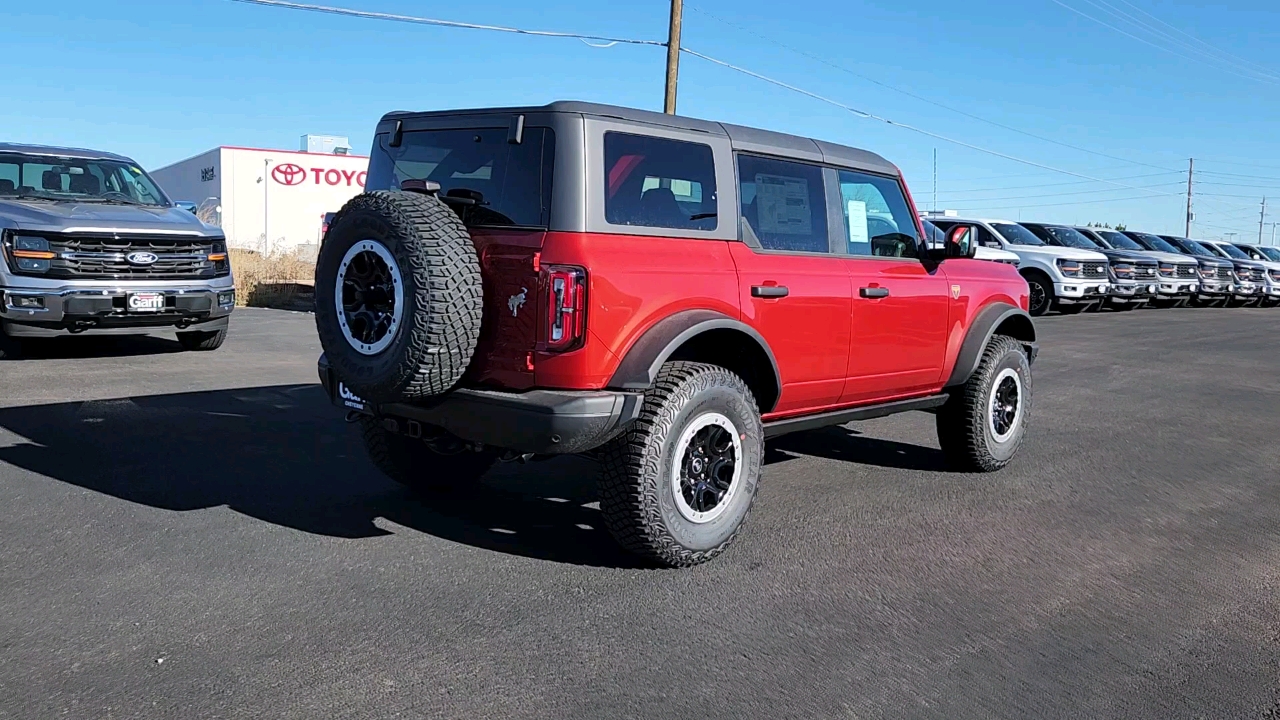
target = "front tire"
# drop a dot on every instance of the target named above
(1042, 296)
(202, 341)
(10, 347)
(414, 464)
(677, 486)
(982, 426)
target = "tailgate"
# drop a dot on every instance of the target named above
(509, 330)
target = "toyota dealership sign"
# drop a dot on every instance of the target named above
(272, 200)
(293, 174)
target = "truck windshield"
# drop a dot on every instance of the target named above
(1071, 238)
(1270, 252)
(1016, 234)
(64, 179)
(1157, 243)
(1194, 248)
(1230, 250)
(1119, 241)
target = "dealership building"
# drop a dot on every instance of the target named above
(268, 200)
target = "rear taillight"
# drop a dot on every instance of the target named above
(566, 306)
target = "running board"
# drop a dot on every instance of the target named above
(839, 417)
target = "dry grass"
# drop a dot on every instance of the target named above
(278, 279)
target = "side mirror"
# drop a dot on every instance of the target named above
(962, 242)
(185, 205)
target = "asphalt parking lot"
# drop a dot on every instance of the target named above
(200, 536)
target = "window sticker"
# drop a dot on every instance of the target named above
(783, 205)
(857, 212)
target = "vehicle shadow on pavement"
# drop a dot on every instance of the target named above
(283, 455)
(849, 445)
(98, 346)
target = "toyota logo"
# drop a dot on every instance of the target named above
(141, 258)
(288, 174)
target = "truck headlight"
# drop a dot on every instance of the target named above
(1069, 268)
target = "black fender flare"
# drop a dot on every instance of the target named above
(639, 368)
(979, 336)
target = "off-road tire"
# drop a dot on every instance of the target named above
(10, 347)
(1046, 285)
(412, 463)
(202, 340)
(637, 497)
(964, 425)
(439, 272)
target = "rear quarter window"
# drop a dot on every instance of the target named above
(511, 182)
(659, 183)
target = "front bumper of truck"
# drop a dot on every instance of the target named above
(45, 309)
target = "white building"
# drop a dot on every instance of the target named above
(268, 200)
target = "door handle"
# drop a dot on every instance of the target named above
(769, 291)
(874, 292)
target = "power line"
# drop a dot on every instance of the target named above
(1148, 27)
(1240, 175)
(348, 12)
(1196, 39)
(1059, 184)
(1154, 45)
(921, 98)
(887, 121)
(1057, 194)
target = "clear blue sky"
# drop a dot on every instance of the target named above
(164, 79)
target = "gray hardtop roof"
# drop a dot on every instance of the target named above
(63, 152)
(742, 138)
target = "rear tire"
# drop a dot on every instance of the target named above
(982, 425)
(414, 464)
(398, 296)
(678, 484)
(202, 340)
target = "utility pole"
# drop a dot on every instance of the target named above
(1191, 168)
(1262, 219)
(935, 180)
(673, 57)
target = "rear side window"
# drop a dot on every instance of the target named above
(658, 182)
(511, 183)
(784, 205)
(877, 220)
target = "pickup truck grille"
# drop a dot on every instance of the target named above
(1257, 275)
(1187, 271)
(1144, 272)
(1093, 270)
(1224, 273)
(105, 257)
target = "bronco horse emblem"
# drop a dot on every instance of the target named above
(515, 301)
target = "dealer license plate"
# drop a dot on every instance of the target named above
(146, 302)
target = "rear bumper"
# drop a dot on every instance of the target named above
(552, 422)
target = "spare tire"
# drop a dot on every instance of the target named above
(398, 296)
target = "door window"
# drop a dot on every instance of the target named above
(783, 205)
(658, 182)
(877, 220)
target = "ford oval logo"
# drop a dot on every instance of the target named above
(141, 258)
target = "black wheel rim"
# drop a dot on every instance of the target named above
(1004, 411)
(368, 298)
(707, 468)
(1039, 297)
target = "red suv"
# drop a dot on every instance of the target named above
(658, 292)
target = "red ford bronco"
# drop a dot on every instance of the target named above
(661, 293)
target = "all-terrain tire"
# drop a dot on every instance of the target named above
(436, 326)
(202, 340)
(639, 474)
(966, 427)
(412, 463)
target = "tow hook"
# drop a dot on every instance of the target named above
(352, 416)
